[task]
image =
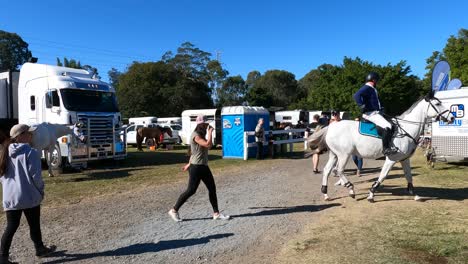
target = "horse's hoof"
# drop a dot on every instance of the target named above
(326, 198)
(370, 200)
(352, 195)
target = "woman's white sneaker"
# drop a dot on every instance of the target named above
(174, 215)
(221, 217)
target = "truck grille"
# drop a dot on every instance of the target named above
(98, 130)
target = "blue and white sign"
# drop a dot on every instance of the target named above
(227, 124)
(237, 121)
(457, 110)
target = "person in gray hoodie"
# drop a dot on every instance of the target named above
(23, 189)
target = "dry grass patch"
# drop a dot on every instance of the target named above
(395, 229)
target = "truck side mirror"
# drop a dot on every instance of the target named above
(48, 99)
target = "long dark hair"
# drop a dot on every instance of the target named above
(4, 153)
(201, 129)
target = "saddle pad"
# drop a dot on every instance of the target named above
(368, 129)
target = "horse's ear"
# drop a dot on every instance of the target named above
(429, 96)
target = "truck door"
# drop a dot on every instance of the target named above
(52, 107)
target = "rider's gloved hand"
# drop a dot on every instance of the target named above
(363, 108)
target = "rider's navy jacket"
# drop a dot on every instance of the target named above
(367, 98)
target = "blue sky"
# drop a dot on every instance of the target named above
(296, 36)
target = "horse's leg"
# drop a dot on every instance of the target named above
(342, 160)
(326, 172)
(409, 177)
(383, 174)
(49, 160)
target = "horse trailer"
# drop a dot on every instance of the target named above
(145, 120)
(170, 120)
(59, 95)
(450, 141)
(213, 117)
(292, 117)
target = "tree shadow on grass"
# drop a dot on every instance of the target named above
(137, 249)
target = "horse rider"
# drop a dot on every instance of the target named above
(368, 101)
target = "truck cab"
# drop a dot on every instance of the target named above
(66, 96)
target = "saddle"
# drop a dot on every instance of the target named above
(368, 128)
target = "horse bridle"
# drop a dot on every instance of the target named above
(439, 114)
(437, 118)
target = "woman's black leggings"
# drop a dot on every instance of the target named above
(13, 217)
(199, 173)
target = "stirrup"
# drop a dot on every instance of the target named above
(390, 151)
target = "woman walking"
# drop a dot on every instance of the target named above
(199, 170)
(23, 190)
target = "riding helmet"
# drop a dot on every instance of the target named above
(372, 76)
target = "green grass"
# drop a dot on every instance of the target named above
(138, 170)
(396, 229)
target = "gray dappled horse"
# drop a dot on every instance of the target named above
(343, 140)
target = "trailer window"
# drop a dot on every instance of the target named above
(33, 102)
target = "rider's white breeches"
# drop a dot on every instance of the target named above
(377, 119)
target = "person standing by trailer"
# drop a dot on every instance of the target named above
(260, 138)
(199, 170)
(23, 189)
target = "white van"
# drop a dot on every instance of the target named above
(450, 141)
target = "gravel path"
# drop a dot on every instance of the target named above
(268, 203)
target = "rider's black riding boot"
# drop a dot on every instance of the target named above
(386, 140)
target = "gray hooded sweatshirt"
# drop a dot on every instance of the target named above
(22, 183)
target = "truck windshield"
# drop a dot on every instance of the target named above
(89, 101)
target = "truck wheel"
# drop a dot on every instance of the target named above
(56, 162)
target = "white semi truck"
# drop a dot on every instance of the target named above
(45, 93)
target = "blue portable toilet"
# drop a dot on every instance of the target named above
(235, 121)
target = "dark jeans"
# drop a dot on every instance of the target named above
(13, 217)
(259, 150)
(358, 161)
(199, 173)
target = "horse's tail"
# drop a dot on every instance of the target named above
(316, 141)
(139, 138)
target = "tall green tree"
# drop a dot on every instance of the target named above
(274, 88)
(455, 53)
(191, 61)
(197, 65)
(216, 76)
(159, 89)
(232, 92)
(13, 51)
(252, 77)
(114, 76)
(332, 87)
(76, 64)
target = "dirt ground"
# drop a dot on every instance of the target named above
(268, 204)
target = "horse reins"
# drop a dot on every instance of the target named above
(439, 115)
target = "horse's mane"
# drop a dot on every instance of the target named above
(407, 112)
